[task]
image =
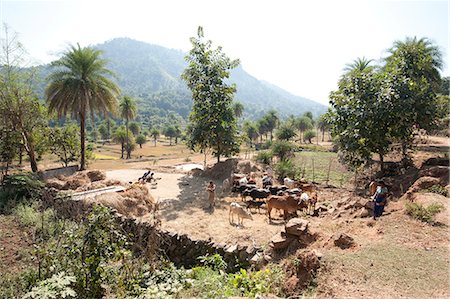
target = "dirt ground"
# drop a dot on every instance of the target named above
(394, 257)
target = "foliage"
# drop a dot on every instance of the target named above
(80, 84)
(286, 168)
(135, 128)
(285, 132)
(214, 262)
(413, 65)
(438, 189)
(154, 133)
(264, 157)
(304, 123)
(282, 149)
(140, 139)
(64, 142)
(123, 137)
(128, 110)
(310, 134)
(19, 107)
(212, 119)
(424, 214)
(58, 286)
(250, 132)
(18, 188)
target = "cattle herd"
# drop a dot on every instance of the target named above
(289, 197)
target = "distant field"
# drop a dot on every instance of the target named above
(314, 166)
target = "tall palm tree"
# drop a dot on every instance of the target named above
(80, 85)
(128, 110)
(359, 64)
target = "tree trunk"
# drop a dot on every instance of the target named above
(20, 155)
(381, 162)
(83, 138)
(128, 140)
(29, 148)
(140, 145)
(323, 135)
(122, 149)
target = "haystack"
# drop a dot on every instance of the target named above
(130, 207)
(96, 175)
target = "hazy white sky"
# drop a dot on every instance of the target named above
(301, 46)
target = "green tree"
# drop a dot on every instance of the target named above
(135, 128)
(128, 110)
(359, 65)
(109, 124)
(285, 132)
(272, 120)
(171, 132)
(140, 139)
(309, 135)
(238, 109)
(212, 121)
(124, 139)
(103, 131)
(282, 149)
(250, 131)
(323, 125)
(64, 143)
(80, 85)
(19, 107)
(303, 123)
(263, 127)
(412, 69)
(362, 116)
(154, 134)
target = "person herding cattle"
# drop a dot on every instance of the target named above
(380, 199)
(211, 189)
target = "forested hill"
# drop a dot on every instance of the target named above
(152, 73)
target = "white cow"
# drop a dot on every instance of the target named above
(241, 213)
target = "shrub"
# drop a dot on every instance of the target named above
(264, 157)
(438, 189)
(19, 188)
(286, 168)
(58, 286)
(425, 214)
(282, 149)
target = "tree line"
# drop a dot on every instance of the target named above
(377, 106)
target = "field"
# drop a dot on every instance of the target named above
(393, 257)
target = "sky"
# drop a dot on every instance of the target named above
(300, 46)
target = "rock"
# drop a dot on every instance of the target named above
(343, 241)
(296, 227)
(364, 213)
(280, 242)
(231, 249)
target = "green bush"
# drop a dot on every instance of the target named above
(286, 168)
(419, 212)
(264, 157)
(19, 188)
(438, 189)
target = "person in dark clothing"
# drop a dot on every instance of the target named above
(380, 199)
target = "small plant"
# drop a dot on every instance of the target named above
(425, 214)
(19, 188)
(438, 189)
(264, 157)
(214, 261)
(187, 159)
(58, 286)
(286, 169)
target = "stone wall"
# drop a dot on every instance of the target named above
(54, 172)
(149, 239)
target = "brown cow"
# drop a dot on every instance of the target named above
(287, 203)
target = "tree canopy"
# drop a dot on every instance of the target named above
(212, 121)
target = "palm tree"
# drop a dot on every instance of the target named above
(238, 109)
(272, 121)
(128, 111)
(359, 64)
(155, 134)
(80, 85)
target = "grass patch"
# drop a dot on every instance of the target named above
(104, 157)
(425, 214)
(392, 270)
(314, 166)
(438, 189)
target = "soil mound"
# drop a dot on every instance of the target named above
(221, 170)
(130, 207)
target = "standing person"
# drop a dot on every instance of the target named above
(211, 193)
(380, 199)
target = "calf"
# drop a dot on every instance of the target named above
(254, 204)
(236, 209)
(288, 203)
(288, 182)
(256, 193)
(266, 182)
